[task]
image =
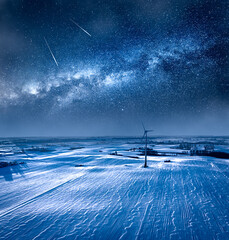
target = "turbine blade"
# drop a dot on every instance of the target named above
(149, 130)
(143, 126)
(143, 136)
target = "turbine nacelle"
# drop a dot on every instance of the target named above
(145, 130)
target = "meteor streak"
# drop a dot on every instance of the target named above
(80, 27)
(51, 52)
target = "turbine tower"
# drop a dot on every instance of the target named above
(146, 139)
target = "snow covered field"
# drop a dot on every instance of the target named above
(73, 189)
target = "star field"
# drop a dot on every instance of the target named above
(66, 65)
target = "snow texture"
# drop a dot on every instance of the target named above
(74, 189)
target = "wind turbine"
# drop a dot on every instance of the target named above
(146, 137)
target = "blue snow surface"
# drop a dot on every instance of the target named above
(74, 189)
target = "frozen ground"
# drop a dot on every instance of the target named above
(111, 197)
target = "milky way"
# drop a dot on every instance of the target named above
(161, 62)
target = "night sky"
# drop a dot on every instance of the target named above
(115, 64)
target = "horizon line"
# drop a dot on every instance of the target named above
(117, 136)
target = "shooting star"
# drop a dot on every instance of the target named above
(51, 52)
(80, 27)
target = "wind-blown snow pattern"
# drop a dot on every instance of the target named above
(74, 189)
